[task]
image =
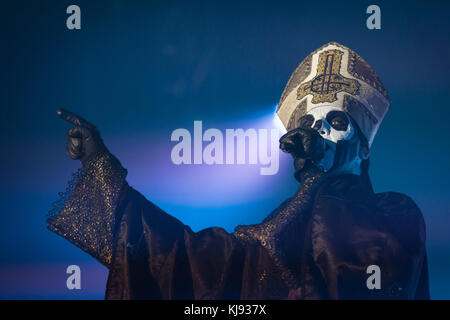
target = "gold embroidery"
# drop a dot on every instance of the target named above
(269, 233)
(328, 80)
(85, 215)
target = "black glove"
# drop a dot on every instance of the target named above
(84, 139)
(307, 147)
(303, 143)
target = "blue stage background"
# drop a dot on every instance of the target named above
(141, 69)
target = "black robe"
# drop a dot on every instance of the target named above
(316, 245)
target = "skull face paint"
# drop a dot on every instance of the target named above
(331, 123)
(335, 127)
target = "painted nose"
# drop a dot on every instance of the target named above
(319, 127)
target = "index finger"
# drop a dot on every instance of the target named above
(73, 118)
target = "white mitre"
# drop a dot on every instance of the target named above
(334, 75)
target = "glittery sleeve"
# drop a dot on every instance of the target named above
(85, 213)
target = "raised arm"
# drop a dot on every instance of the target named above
(85, 214)
(150, 254)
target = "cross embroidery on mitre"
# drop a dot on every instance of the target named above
(328, 81)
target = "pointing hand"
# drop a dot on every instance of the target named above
(84, 139)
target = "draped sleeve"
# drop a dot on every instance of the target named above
(158, 257)
(150, 254)
(85, 213)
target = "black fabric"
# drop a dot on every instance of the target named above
(346, 229)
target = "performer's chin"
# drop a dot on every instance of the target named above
(305, 168)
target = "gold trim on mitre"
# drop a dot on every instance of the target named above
(334, 75)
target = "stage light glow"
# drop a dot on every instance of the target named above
(277, 122)
(194, 190)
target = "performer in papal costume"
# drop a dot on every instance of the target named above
(325, 242)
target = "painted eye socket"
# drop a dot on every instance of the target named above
(306, 121)
(338, 120)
